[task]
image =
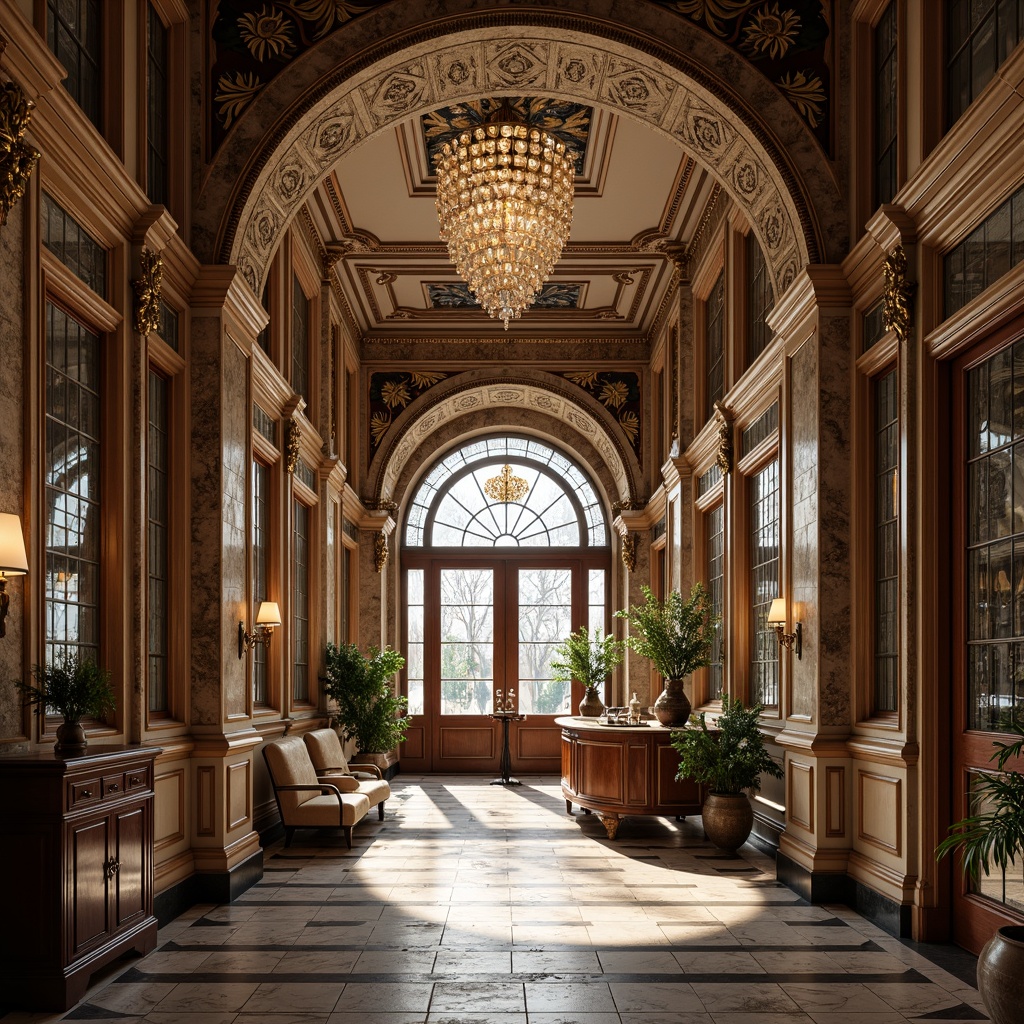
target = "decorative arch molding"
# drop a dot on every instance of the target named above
(356, 84)
(540, 406)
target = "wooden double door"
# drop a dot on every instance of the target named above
(480, 634)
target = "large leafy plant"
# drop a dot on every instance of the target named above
(994, 835)
(369, 710)
(73, 688)
(675, 634)
(730, 757)
(588, 660)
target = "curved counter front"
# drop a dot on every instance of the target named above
(621, 770)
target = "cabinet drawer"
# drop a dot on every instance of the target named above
(82, 792)
(136, 779)
(113, 785)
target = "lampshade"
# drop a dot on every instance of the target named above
(269, 614)
(777, 613)
(13, 560)
(504, 202)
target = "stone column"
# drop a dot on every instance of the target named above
(226, 319)
(813, 320)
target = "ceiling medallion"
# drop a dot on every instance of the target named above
(504, 202)
(506, 487)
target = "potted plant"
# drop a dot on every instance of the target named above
(369, 711)
(589, 661)
(677, 636)
(994, 836)
(727, 759)
(74, 689)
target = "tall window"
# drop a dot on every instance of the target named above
(886, 96)
(158, 511)
(414, 640)
(72, 479)
(886, 543)
(74, 33)
(263, 338)
(715, 548)
(714, 346)
(760, 300)
(157, 108)
(995, 541)
(300, 340)
(260, 565)
(300, 603)
(764, 584)
(980, 35)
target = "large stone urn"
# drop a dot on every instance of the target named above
(728, 819)
(1001, 975)
(672, 706)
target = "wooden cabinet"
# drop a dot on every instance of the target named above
(76, 851)
(617, 771)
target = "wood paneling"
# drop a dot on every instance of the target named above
(468, 742)
(880, 811)
(800, 798)
(532, 742)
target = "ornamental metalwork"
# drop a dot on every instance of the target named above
(147, 290)
(506, 486)
(17, 158)
(628, 552)
(724, 455)
(291, 445)
(896, 296)
(380, 551)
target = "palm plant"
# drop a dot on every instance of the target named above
(994, 835)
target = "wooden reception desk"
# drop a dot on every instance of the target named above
(616, 771)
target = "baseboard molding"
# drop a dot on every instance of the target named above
(212, 887)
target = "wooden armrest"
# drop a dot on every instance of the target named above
(373, 770)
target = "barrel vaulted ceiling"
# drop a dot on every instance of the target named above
(643, 206)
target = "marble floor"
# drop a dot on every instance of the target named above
(473, 903)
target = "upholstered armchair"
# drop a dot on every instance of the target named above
(330, 763)
(303, 800)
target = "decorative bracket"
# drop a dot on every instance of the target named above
(724, 455)
(380, 551)
(147, 293)
(291, 445)
(628, 551)
(897, 294)
(17, 158)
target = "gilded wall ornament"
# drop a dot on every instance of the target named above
(147, 293)
(628, 552)
(896, 297)
(382, 505)
(291, 445)
(723, 457)
(380, 551)
(17, 158)
(628, 504)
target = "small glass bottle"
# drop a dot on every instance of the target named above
(634, 710)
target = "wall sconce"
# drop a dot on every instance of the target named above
(267, 618)
(13, 560)
(777, 620)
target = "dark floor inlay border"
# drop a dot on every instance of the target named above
(826, 922)
(961, 1012)
(89, 1012)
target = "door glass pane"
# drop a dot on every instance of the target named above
(595, 601)
(545, 620)
(414, 641)
(467, 641)
(1003, 887)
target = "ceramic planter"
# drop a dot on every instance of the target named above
(591, 706)
(728, 819)
(672, 706)
(1001, 975)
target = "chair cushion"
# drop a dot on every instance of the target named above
(325, 750)
(376, 791)
(322, 811)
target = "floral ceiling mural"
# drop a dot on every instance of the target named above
(789, 41)
(394, 390)
(456, 295)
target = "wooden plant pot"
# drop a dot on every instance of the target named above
(728, 819)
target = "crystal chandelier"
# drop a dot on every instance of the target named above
(506, 487)
(504, 201)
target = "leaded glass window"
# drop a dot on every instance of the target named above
(764, 584)
(260, 568)
(760, 300)
(72, 488)
(300, 340)
(74, 34)
(886, 106)
(995, 540)
(714, 346)
(158, 512)
(715, 524)
(300, 602)
(886, 543)
(157, 112)
(414, 634)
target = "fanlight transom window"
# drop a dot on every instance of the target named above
(453, 509)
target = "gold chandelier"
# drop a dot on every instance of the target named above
(504, 201)
(506, 487)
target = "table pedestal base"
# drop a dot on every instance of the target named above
(505, 782)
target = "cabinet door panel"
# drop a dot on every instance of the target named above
(88, 884)
(130, 888)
